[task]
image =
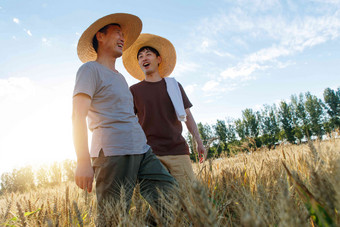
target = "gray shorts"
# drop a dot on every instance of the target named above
(113, 172)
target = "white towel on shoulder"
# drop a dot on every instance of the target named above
(176, 97)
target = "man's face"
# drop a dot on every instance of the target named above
(148, 61)
(112, 41)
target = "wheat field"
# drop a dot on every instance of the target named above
(292, 185)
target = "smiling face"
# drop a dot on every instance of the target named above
(111, 41)
(148, 61)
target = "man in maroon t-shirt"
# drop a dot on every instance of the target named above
(150, 59)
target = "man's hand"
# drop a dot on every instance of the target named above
(84, 175)
(201, 152)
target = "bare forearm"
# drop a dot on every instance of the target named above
(192, 127)
(81, 105)
(84, 172)
(80, 139)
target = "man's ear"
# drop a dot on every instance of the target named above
(159, 59)
(99, 36)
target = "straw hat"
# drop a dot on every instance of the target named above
(131, 26)
(163, 46)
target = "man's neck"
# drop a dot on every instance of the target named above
(109, 62)
(153, 77)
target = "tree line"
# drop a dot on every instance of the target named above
(302, 118)
(25, 178)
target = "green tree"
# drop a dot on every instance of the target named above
(240, 129)
(300, 118)
(192, 147)
(231, 131)
(314, 109)
(56, 173)
(8, 182)
(42, 176)
(332, 106)
(285, 115)
(205, 132)
(269, 126)
(208, 138)
(221, 132)
(251, 121)
(18, 180)
(69, 168)
(225, 133)
(25, 178)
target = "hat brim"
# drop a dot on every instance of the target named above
(163, 46)
(131, 27)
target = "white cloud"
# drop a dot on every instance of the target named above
(335, 2)
(16, 20)
(309, 32)
(292, 5)
(225, 54)
(45, 41)
(215, 88)
(242, 72)
(210, 86)
(259, 5)
(267, 54)
(264, 41)
(184, 67)
(205, 45)
(282, 65)
(29, 32)
(190, 88)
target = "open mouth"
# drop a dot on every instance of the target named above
(120, 45)
(146, 64)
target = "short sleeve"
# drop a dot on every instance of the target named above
(85, 81)
(186, 101)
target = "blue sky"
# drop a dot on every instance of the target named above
(231, 55)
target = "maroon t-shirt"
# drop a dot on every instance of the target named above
(158, 118)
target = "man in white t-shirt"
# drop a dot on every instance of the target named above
(119, 153)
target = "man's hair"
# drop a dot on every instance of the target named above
(102, 30)
(153, 50)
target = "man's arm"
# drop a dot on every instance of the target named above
(192, 127)
(84, 172)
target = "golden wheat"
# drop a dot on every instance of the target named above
(293, 185)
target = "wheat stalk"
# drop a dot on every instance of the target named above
(21, 215)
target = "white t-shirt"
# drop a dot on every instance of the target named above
(111, 118)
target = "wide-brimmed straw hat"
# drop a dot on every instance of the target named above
(130, 24)
(164, 47)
